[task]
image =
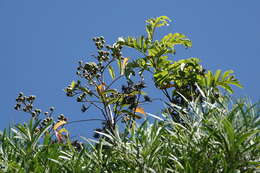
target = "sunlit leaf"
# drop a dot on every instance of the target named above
(217, 75)
(140, 110)
(108, 91)
(226, 74)
(173, 39)
(100, 88)
(140, 43)
(124, 63)
(155, 23)
(72, 85)
(111, 71)
(63, 130)
(58, 124)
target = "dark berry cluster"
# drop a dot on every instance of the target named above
(48, 118)
(116, 50)
(93, 72)
(89, 70)
(99, 42)
(61, 117)
(81, 97)
(103, 55)
(25, 104)
(70, 89)
(46, 121)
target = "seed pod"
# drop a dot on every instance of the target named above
(20, 94)
(38, 111)
(34, 114)
(147, 99)
(94, 39)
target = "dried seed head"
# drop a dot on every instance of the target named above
(20, 94)
(34, 114)
(52, 109)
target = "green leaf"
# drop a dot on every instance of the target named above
(110, 91)
(112, 100)
(246, 136)
(217, 75)
(43, 132)
(140, 43)
(111, 71)
(171, 40)
(73, 85)
(226, 87)
(229, 131)
(220, 80)
(226, 74)
(159, 21)
(155, 23)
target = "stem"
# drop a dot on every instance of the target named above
(111, 116)
(77, 121)
(94, 104)
(114, 81)
(94, 101)
(107, 65)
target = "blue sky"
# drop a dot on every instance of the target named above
(42, 41)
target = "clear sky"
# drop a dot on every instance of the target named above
(42, 41)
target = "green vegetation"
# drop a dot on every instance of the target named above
(200, 128)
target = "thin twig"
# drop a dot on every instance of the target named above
(77, 121)
(114, 81)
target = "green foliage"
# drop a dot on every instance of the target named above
(215, 138)
(218, 79)
(199, 130)
(185, 77)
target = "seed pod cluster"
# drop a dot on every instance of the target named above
(103, 56)
(46, 121)
(25, 104)
(89, 70)
(70, 89)
(116, 51)
(99, 42)
(81, 97)
(61, 117)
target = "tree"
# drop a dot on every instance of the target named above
(178, 80)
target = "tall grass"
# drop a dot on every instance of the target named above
(222, 137)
